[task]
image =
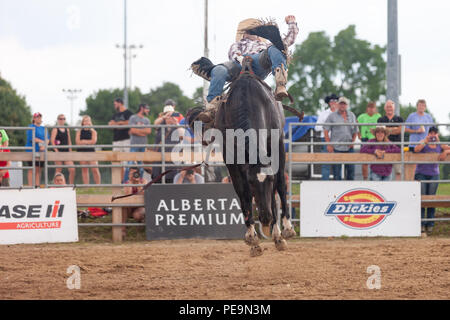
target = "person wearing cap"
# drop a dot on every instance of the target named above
(332, 104)
(169, 111)
(365, 134)
(380, 172)
(341, 134)
(139, 135)
(267, 58)
(39, 146)
(430, 172)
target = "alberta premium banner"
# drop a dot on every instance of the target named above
(186, 211)
(38, 216)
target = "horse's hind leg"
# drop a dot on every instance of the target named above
(280, 243)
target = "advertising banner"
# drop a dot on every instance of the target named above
(186, 211)
(38, 216)
(359, 209)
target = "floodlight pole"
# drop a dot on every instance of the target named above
(393, 75)
(71, 95)
(206, 52)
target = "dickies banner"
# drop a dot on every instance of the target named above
(186, 211)
(361, 209)
(38, 216)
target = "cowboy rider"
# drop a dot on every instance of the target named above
(266, 58)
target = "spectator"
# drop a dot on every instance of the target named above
(87, 137)
(365, 134)
(429, 172)
(332, 105)
(139, 136)
(39, 146)
(172, 136)
(135, 177)
(189, 177)
(4, 141)
(418, 133)
(4, 173)
(169, 105)
(121, 136)
(380, 172)
(341, 134)
(395, 132)
(226, 179)
(61, 137)
(59, 179)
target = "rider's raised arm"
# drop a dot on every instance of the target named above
(289, 38)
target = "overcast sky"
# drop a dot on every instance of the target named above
(48, 45)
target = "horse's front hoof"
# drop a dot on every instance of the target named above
(288, 233)
(281, 244)
(256, 251)
(252, 240)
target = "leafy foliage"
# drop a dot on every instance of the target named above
(14, 112)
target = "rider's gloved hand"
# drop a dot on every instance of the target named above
(240, 59)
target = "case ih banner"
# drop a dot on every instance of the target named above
(38, 216)
(186, 211)
(359, 209)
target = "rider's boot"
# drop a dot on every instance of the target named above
(281, 80)
(207, 116)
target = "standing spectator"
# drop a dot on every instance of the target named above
(121, 136)
(188, 176)
(4, 141)
(61, 137)
(332, 104)
(169, 105)
(395, 132)
(365, 134)
(139, 136)
(418, 133)
(39, 146)
(171, 137)
(87, 137)
(380, 172)
(429, 172)
(4, 173)
(341, 134)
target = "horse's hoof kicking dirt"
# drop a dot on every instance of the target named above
(252, 241)
(288, 233)
(256, 251)
(281, 245)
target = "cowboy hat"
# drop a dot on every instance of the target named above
(245, 25)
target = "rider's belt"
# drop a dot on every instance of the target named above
(233, 69)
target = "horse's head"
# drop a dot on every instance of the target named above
(262, 183)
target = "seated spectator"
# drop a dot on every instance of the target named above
(188, 176)
(429, 172)
(226, 179)
(4, 140)
(59, 179)
(4, 173)
(135, 177)
(61, 137)
(87, 137)
(380, 172)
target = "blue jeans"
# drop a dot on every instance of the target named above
(427, 189)
(219, 74)
(127, 169)
(325, 168)
(377, 177)
(349, 168)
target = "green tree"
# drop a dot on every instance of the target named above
(14, 112)
(100, 107)
(346, 66)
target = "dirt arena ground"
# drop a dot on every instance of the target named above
(203, 269)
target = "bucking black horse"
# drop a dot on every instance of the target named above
(250, 107)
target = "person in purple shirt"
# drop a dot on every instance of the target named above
(380, 172)
(417, 133)
(430, 171)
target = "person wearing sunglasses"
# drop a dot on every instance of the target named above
(61, 137)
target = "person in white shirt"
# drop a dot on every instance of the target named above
(332, 104)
